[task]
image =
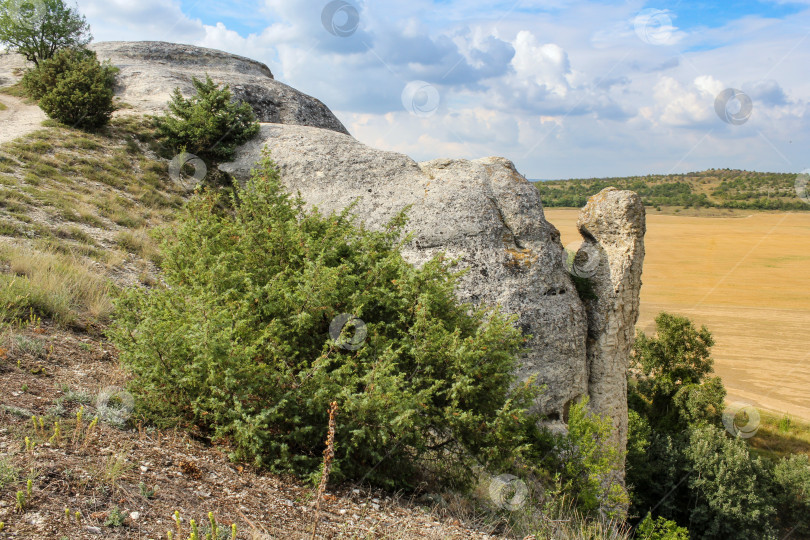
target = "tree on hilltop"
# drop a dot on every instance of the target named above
(38, 29)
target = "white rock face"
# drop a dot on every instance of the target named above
(482, 212)
(151, 70)
(11, 68)
(613, 225)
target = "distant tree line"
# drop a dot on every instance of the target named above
(708, 189)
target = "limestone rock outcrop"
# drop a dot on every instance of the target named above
(151, 70)
(482, 212)
(612, 225)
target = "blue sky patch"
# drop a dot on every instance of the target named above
(689, 15)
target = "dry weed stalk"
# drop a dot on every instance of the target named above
(328, 456)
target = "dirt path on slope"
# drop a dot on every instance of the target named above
(18, 118)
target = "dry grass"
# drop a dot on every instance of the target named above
(75, 206)
(746, 278)
(140, 243)
(61, 287)
(780, 435)
(15, 90)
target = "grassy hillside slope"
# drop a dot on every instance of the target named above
(75, 209)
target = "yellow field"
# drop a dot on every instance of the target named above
(746, 278)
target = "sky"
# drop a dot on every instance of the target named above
(564, 89)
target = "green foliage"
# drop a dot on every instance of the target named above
(678, 355)
(587, 462)
(41, 80)
(655, 471)
(672, 389)
(74, 88)
(38, 29)
(209, 124)
(238, 344)
(660, 529)
(683, 465)
(115, 517)
(730, 499)
(791, 483)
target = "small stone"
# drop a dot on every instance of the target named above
(144, 468)
(134, 516)
(342, 511)
(93, 530)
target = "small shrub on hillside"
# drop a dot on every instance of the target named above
(209, 124)
(74, 88)
(660, 529)
(39, 81)
(588, 463)
(238, 344)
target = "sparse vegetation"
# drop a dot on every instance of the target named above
(780, 436)
(9, 474)
(65, 223)
(115, 518)
(59, 287)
